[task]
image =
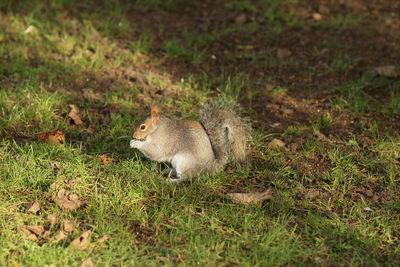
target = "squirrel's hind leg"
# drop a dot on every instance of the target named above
(170, 172)
(171, 176)
(181, 165)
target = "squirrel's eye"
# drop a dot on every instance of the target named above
(142, 127)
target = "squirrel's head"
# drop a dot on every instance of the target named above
(148, 125)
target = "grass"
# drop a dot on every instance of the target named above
(335, 199)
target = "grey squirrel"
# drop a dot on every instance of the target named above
(194, 148)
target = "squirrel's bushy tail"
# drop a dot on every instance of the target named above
(229, 134)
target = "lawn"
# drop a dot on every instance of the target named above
(319, 81)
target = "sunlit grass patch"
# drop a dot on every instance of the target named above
(37, 111)
(358, 96)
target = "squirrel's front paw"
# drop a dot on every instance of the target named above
(132, 143)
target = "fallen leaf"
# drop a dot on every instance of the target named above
(319, 135)
(67, 200)
(103, 239)
(105, 159)
(312, 194)
(73, 182)
(82, 241)
(287, 111)
(26, 234)
(46, 234)
(29, 29)
(34, 208)
(369, 193)
(316, 16)
(53, 219)
(276, 143)
(386, 71)
(53, 137)
(31, 232)
(69, 225)
(37, 230)
(73, 114)
(87, 263)
(60, 236)
(241, 18)
(253, 197)
(359, 189)
(283, 53)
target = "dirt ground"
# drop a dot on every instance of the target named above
(308, 96)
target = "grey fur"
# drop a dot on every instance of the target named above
(229, 134)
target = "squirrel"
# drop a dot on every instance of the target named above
(194, 148)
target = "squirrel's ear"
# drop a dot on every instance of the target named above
(155, 115)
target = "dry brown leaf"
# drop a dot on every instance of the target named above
(73, 114)
(105, 159)
(69, 226)
(319, 135)
(253, 197)
(60, 236)
(276, 143)
(82, 241)
(317, 16)
(87, 263)
(73, 182)
(34, 208)
(241, 18)
(103, 239)
(31, 232)
(67, 200)
(46, 234)
(26, 234)
(37, 230)
(53, 137)
(386, 71)
(369, 193)
(283, 53)
(313, 194)
(53, 186)
(62, 182)
(53, 219)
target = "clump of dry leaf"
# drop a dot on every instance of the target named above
(87, 263)
(53, 137)
(105, 159)
(53, 219)
(64, 198)
(390, 71)
(276, 143)
(32, 232)
(34, 208)
(73, 116)
(67, 200)
(82, 241)
(252, 197)
(69, 226)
